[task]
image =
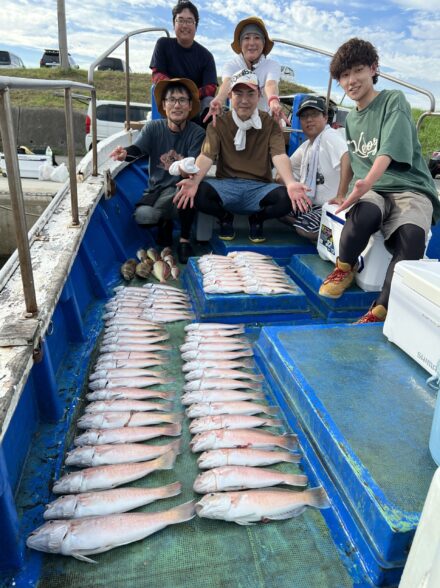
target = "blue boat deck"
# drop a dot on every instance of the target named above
(359, 405)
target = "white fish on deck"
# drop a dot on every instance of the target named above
(128, 394)
(105, 502)
(205, 383)
(89, 535)
(252, 506)
(131, 347)
(222, 373)
(97, 455)
(111, 476)
(236, 407)
(231, 421)
(216, 395)
(230, 478)
(229, 364)
(210, 326)
(254, 438)
(197, 354)
(244, 457)
(112, 374)
(136, 382)
(126, 434)
(127, 405)
(115, 420)
(218, 347)
(118, 364)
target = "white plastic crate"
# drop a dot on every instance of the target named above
(373, 261)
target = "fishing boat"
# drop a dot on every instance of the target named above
(359, 405)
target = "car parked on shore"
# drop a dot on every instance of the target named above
(10, 60)
(51, 58)
(110, 118)
(112, 64)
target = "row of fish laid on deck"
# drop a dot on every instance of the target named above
(225, 399)
(244, 272)
(124, 409)
(149, 261)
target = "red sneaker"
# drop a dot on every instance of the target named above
(375, 314)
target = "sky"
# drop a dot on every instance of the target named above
(405, 33)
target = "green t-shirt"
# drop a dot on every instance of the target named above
(385, 127)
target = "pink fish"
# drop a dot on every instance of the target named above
(126, 434)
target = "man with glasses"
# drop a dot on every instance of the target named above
(165, 142)
(183, 57)
(321, 162)
(244, 143)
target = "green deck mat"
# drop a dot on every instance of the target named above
(204, 553)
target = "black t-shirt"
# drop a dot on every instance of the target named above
(195, 63)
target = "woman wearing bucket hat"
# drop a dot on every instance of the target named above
(252, 45)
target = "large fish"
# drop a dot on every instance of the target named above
(127, 405)
(252, 506)
(128, 355)
(202, 409)
(89, 535)
(229, 364)
(229, 478)
(244, 457)
(105, 502)
(231, 421)
(111, 476)
(222, 373)
(97, 455)
(259, 439)
(136, 382)
(126, 434)
(115, 420)
(128, 394)
(134, 327)
(219, 396)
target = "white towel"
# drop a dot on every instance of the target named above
(309, 166)
(243, 126)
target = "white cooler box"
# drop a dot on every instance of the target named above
(413, 319)
(373, 261)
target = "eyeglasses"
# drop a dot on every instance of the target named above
(185, 21)
(312, 113)
(180, 101)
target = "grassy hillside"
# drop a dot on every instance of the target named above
(110, 85)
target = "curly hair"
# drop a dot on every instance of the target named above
(353, 52)
(181, 5)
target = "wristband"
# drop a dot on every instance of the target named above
(274, 97)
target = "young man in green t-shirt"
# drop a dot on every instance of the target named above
(392, 189)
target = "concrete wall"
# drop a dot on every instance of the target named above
(34, 205)
(39, 127)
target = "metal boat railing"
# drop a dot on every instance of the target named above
(12, 167)
(427, 93)
(126, 40)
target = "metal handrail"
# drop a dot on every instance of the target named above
(12, 167)
(124, 39)
(383, 75)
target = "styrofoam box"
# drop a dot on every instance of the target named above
(29, 165)
(413, 319)
(373, 261)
